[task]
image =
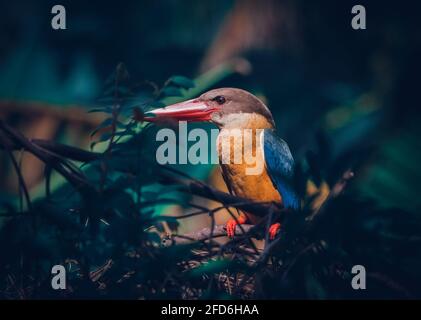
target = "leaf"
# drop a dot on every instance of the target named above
(182, 82)
(156, 104)
(150, 195)
(92, 145)
(124, 133)
(105, 137)
(106, 123)
(171, 92)
(98, 110)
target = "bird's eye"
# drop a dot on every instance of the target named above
(219, 99)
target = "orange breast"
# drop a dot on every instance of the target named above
(256, 187)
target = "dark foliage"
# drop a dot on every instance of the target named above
(102, 225)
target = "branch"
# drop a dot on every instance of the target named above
(60, 149)
(202, 190)
(203, 234)
(11, 137)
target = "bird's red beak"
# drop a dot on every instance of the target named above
(190, 110)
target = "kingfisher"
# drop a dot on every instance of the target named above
(236, 109)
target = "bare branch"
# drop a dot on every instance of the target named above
(202, 235)
(12, 137)
(202, 190)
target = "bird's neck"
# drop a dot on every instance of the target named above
(238, 142)
(245, 121)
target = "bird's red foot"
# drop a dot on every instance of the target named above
(273, 230)
(232, 224)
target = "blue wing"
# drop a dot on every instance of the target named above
(281, 167)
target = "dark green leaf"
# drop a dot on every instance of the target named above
(182, 82)
(171, 92)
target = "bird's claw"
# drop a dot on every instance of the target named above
(230, 226)
(273, 230)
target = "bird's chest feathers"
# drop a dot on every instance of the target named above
(242, 160)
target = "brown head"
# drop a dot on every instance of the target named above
(223, 107)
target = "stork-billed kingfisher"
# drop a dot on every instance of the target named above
(231, 108)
